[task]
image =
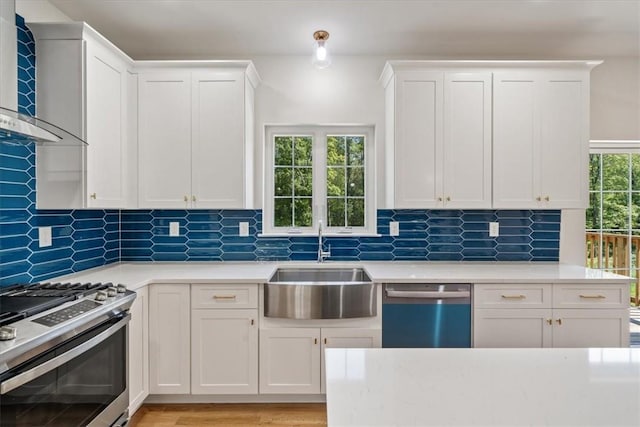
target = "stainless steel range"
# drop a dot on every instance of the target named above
(63, 354)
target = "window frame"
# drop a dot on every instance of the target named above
(624, 147)
(319, 135)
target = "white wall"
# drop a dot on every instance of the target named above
(39, 11)
(615, 99)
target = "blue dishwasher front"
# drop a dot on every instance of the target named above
(426, 315)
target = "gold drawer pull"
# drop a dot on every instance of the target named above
(592, 296)
(514, 296)
(226, 297)
(559, 321)
(549, 322)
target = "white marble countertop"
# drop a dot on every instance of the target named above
(483, 387)
(137, 274)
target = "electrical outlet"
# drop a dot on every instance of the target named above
(44, 237)
(494, 229)
(174, 229)
(243, 228)
(394, 228)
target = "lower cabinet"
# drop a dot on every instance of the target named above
(224, 352)
(535, 315)
(292, 359)
(169, 339)
(139, 350)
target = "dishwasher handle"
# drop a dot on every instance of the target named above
(428, 294)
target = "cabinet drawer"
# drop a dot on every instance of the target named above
(591, 296)
(224, 296)
(504, 296)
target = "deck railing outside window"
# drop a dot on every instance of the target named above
(610, 252)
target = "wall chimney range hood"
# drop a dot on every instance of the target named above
(17, 128)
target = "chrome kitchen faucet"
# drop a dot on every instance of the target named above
(322, 254)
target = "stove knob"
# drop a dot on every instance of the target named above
(121, 289)
(7, 333)
(111, 292)
(101, 296)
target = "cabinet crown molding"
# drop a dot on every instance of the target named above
(391, 67)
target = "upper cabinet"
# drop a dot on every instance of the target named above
(540, 139)
(85, 85)
(196, 134)
(487, 134)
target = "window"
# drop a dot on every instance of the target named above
(613, 217)
(315, 173)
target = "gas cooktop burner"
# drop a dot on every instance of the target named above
(21, 301)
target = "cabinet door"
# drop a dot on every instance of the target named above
(347, 338)
(418, 140)
(139, 350)
(224, 352)
(169, 339)
(106, 98)
(164, 138)
(467, 140)
(495, 328)
(564, 143)
(591, 328)
(516, 139)
(290, 360)
(218, 157)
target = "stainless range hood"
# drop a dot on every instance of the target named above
(16, 128)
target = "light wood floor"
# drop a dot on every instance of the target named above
(231, 414)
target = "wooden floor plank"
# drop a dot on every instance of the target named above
(231, 414)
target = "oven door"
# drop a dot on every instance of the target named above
(82, 382)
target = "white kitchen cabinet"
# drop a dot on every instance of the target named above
(292, 359)
(438, 136)
(551, 315)
(169, 339)
(82, 71)
(139, 350)
(196, 134)
(224, 339)
(540, 133)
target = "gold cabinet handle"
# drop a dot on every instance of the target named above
(448, 199)
(549, 321)
(93, 196)
(439, 199)
(315, 340)
(225, 297)
(539, 199)
(514, 296)
(325, 341)
(559, 321)
(193, 198)
(186, 198)
(252, 322)
(592, 296)
(547, 198)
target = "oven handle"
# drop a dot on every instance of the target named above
(50, 365)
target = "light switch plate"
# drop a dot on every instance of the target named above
(394, 228)
(243, 228)
(174, 229)
(494, 229)
(44, 237)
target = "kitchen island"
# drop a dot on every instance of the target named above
(483, 387)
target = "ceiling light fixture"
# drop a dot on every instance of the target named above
(321, 58)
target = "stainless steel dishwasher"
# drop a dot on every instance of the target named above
(426, 315)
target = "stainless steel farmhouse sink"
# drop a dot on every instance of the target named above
(319, 293)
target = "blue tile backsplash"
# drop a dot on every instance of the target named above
(434, 235)
(88, 238)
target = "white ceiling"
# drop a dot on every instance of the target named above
(180, 29)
